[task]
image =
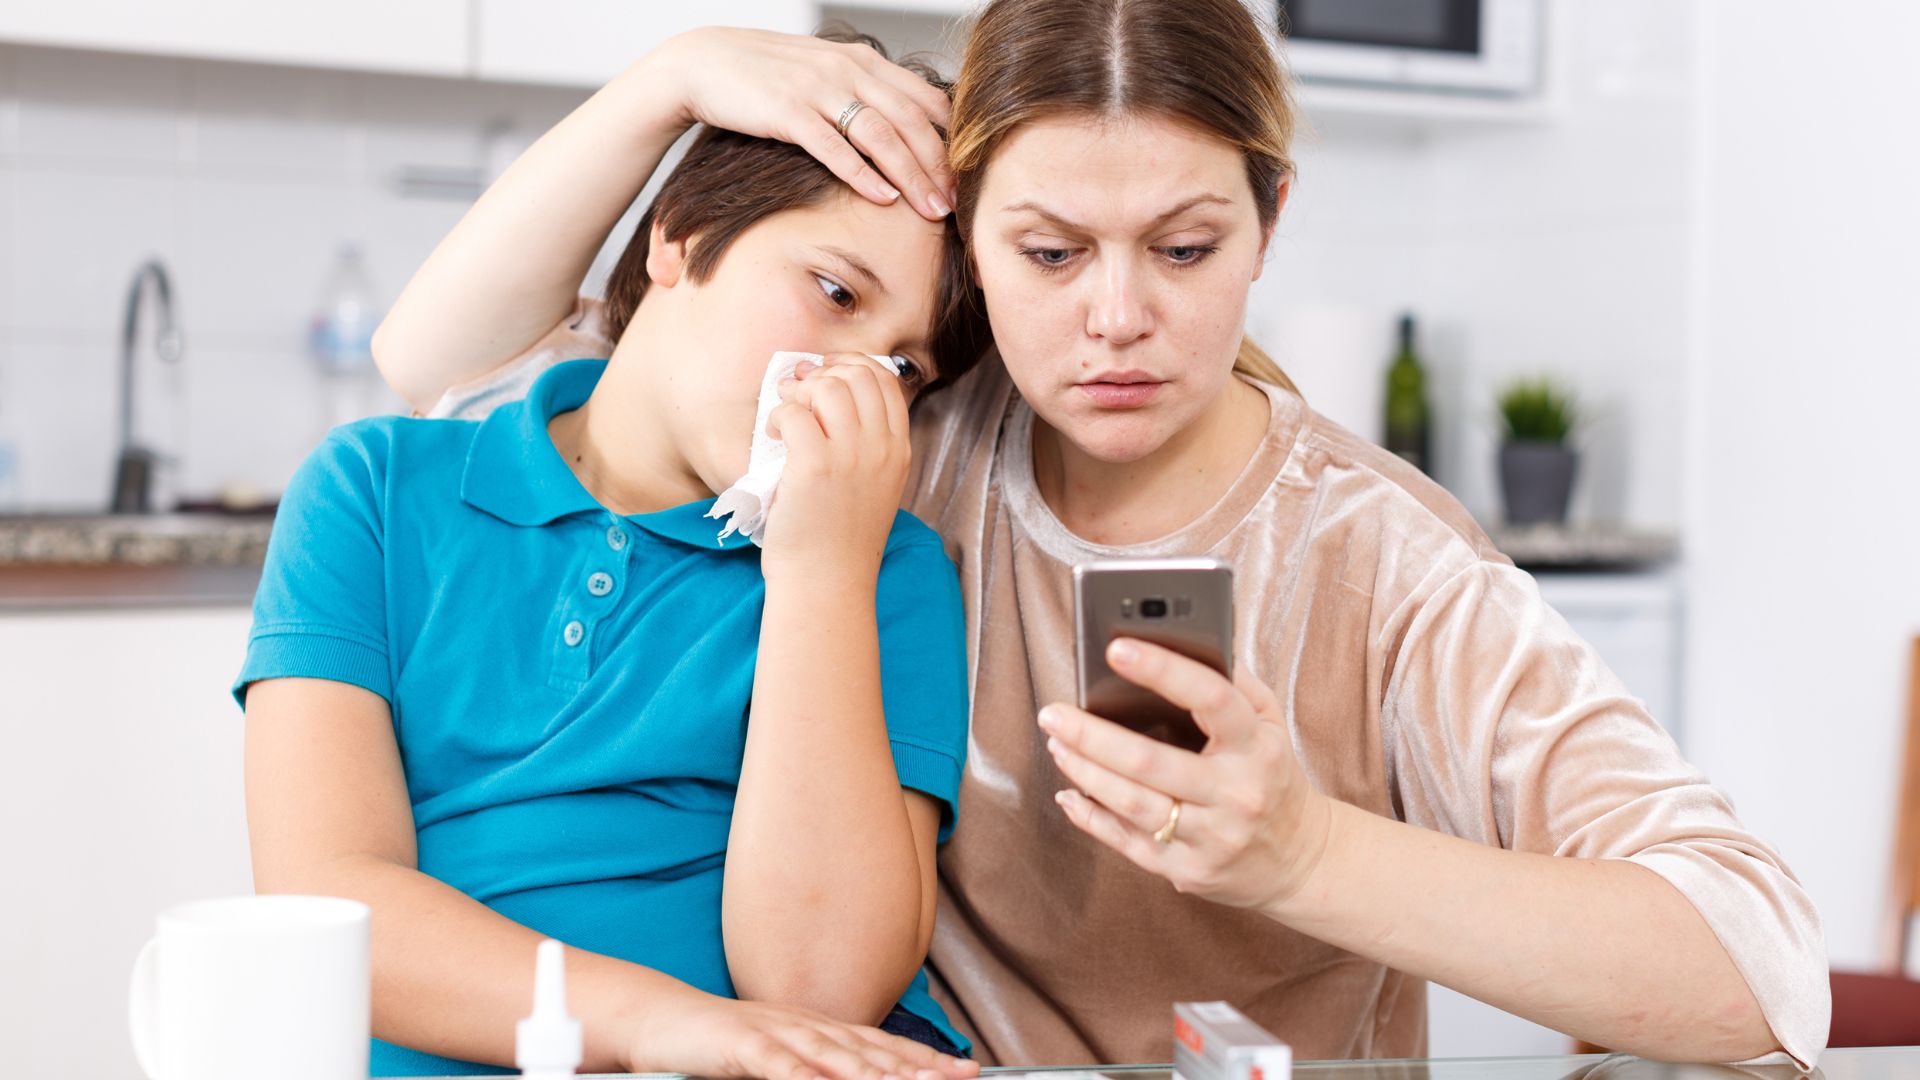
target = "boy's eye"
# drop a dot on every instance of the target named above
(840, 295)
(912, 377)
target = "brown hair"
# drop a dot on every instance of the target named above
(728, 182)
(1205, 62)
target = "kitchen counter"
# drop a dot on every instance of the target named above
(1584, 547)
(63, 561)
(134, 539)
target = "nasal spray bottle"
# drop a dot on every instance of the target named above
(546, 1045)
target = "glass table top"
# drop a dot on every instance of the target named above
(1889, 1063)
(1899, 1063)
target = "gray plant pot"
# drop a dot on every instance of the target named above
(1536, 480)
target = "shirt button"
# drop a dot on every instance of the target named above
(599, 584)
(616, 538)
(574, 633)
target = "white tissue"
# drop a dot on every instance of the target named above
(747, 503)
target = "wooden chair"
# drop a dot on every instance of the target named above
(1883, 1008)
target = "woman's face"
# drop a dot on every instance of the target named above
(1115, 255)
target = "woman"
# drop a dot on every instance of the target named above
(1419, 771)
(506, 681)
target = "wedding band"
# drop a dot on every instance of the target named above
(847, 114)
(1165, 835)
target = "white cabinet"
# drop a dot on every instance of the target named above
(121, 793)
(561, 42)
(424, 37)
(587, 42)
(1633, 622)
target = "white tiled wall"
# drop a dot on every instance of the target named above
(1549, 247)
(1554, 247)
(245, 180)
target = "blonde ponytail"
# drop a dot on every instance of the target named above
(1254, 363)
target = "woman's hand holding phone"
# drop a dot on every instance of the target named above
(845, 426)
(1250, 828)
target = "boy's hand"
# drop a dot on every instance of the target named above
(845, 426)
(721, 1038)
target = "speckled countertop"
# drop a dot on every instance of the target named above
(134, 540)
(1584, 547)
(72, 561)
(55, 562)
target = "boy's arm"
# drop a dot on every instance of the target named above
(328, 813)
(830, 864)
(829, 892)
(510, 270)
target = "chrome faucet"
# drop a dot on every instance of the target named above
(133, 469)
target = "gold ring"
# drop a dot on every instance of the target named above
(847, 114)
(1165, 835)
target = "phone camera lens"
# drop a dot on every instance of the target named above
(1153, 607)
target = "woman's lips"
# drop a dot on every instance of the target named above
(1122, 390)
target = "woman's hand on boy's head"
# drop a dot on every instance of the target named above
(845, 426)
(794, 88)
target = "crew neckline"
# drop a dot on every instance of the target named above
(1199, 536)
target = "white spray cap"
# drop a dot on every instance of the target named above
(547, 1044)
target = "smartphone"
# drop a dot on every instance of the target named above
(1185, 605)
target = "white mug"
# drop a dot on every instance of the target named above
(254, 986)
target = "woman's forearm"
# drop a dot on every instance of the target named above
(512, 267)
(1602, 949)
(451, 976)
(824, 904)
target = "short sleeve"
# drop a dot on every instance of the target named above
(1503, 726)
(923, 665)
(320, 611)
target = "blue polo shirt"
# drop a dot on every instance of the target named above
(569, 686)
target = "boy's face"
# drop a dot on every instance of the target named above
(844, 275)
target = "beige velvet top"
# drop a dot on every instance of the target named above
(1423, 678)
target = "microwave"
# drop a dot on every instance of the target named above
(1490, 47)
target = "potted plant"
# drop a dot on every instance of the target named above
(1536, 464)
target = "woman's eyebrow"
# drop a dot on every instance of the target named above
(1203, 199)
(854, 263)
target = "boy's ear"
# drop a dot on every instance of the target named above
(666, 259)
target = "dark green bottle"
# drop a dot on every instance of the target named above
(1407, 401)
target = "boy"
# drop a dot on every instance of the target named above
(503, 683)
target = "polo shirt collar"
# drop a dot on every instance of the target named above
(689, 524)
(515, 473)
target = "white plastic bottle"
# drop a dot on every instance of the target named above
(9, 477)
(547, 1045)
(341, 340)
(9, 460)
